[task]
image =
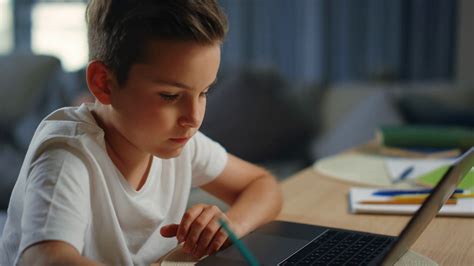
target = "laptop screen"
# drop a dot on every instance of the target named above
(430, 208)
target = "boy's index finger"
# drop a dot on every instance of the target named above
(189, 216)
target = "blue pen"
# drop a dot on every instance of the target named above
(405, 173)
(391, 192)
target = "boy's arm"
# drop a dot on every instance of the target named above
(253, 194)
(55, 209)
(255, 198)
(53, 253)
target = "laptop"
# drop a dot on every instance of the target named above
(288, 243)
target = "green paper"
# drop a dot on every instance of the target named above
(433, 177)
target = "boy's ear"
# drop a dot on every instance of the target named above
(99, 79)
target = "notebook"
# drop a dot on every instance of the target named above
(463, 207)
(287, 243)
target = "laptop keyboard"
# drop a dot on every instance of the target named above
(340, 248)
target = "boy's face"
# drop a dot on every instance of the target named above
(163, 101)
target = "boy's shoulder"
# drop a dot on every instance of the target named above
(72, 116)
(73, 127)
(69, 122)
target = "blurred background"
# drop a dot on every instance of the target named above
(299, 80)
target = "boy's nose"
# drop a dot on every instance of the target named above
(191, 117)
(188, 121)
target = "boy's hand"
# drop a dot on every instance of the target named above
(199, 230)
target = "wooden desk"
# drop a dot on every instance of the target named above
(315, 199)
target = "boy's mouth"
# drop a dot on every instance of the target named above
(179, 140)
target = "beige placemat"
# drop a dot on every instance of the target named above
(177, 257)
(412, 258)
(364, 169)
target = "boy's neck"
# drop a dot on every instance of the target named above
(129, 160)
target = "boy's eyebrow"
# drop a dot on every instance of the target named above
(181, 85)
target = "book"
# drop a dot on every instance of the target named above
(358, 195)
(426, 137)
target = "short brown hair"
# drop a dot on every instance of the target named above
(118, 30)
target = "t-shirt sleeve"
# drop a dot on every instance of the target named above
(57, 201)
(209, 159)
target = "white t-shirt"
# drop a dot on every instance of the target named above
(70, 190)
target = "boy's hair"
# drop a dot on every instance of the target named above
(118, 30)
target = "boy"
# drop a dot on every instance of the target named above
(109, 182)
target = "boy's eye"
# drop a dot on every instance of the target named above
(168, 97)
(206, 92)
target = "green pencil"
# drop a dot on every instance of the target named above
(251, 260)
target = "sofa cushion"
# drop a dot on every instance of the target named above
(251, 114)
(338, 99)
(428, 110)
(22, 81)
(358, 125)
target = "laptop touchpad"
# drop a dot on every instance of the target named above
(269, 249)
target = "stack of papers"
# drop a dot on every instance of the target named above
(366, 200)
(397, 166)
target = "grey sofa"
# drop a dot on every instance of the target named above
(30, 87)
(323, 121)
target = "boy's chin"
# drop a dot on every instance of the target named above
(168, 154)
